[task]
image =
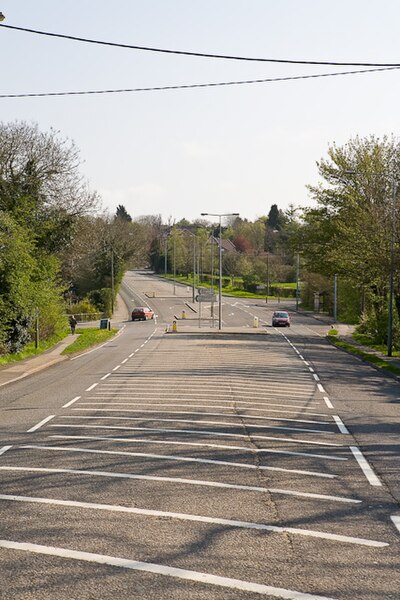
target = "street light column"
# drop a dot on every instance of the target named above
(220, 277)
(391, 280)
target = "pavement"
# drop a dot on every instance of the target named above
(21, 369)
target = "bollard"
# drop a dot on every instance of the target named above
(183, 314)
(174, 327)
(266, 299)
(255, 322)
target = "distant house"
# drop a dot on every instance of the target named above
(226, 245)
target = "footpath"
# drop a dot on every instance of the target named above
(21, 369)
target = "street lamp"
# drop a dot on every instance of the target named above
(220, 215)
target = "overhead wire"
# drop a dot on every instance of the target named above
(196, 85)
(199, 54)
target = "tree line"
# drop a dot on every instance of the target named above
(59, 250)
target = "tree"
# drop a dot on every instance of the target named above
(122, 213)
(349, 232)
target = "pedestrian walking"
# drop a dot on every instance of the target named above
(72, 322)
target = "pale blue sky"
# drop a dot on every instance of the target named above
(180, 153)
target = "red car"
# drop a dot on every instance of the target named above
(142, 313)
(280, 318)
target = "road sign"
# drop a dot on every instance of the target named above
(206, 298)
(206, 292)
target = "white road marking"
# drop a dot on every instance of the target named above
(365, 466)
(199, 482)
(396, 521)
(105, 376)
(124, 361)
(234, 404)
(157, 569)
(131, 354)
(310, 369)
(197, 519)
(321, 389)
(169, 457)
(89, 389)
(206, 414)
(36, 427)
(316, 377)
(71, 402)
(195, 432)
(342, 427)
(301, 356)
(116, 368)
(4, 449)
(328, 402)
(200, 445)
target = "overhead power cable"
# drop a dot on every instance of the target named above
(194, 85)
(201, 54)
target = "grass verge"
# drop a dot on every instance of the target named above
(89, 337)
(30, 349)
(377, 361)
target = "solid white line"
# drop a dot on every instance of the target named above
(396, 521)
(203, 414)
(36, 427)
(214, 406)
(199, 445)
(199, 482)
(196, 432)
(4, 449)
(342, 427)
(105, 376)
(204, 578)
(71, 402)
(198, 519)
(89, 389)
(365, 467)
(321, 389)
(328, 402)
(172, 457)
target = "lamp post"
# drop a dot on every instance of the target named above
(220, 215)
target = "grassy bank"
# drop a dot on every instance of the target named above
(374, 359)
(30, 350)
(89, 337)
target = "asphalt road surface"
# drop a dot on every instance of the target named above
(240, 464)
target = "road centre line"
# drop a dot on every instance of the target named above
(116, 368)
(342, 427)
(396, 521)
(71, 402)
(196, 519)
(234, 405)
(131, 354)
(328, 402)
(89, 389)
(204, 578)
(197, 432)
(321, 389)
(206, 445)
(36, 427)
(172, 458)
(316, 377)
(105, 376)
(204, 414)
(198, 482)
(365, 466)
(4, 449)
(124, 361)
(197, 422)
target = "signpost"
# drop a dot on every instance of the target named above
(206, 295)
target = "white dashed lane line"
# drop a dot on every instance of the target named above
(89, 389)
(4, 449)
(204, 578)
(36, 427)
(342, 427)
(365, 466)
(71, 402)
(396, 521)
(105, 376)
(197, 519)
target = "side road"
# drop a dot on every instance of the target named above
(19, 370)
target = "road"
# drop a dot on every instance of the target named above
(200, 464)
